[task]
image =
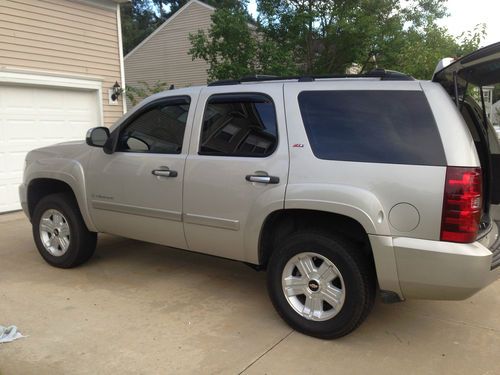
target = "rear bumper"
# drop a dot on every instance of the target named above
(444, 270)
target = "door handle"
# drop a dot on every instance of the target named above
(164, 173)
(262, 179)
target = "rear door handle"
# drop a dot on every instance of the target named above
(262, 179)
(164, 173)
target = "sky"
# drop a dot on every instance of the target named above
(464, 16)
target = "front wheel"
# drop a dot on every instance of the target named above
(60, 234)
(321, 285)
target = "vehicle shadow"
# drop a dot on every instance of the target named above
(139, 265)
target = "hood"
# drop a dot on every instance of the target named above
(480, 68)
(72, 149)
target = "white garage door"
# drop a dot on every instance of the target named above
(32, 117)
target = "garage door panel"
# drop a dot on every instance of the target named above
(17, 98)
(3, 197)
(18, 129)
(3, 164)
(52, 113)
(80, 127)
(14, 162)
(55, 130)
(33, 117)
(8, 196)
(20, 146)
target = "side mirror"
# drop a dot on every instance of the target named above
(97, 137)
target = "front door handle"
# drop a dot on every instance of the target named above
(262, 179)
(164, 173)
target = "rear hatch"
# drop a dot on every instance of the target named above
(478, 69)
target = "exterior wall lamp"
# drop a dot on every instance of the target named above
(116, 91)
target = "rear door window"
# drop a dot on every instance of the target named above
(372, 126)
(240, 124)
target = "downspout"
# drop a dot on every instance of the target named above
(120, 49)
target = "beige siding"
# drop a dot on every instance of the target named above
(164, 57)
(62, 37)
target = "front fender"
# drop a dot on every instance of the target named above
(70, 171)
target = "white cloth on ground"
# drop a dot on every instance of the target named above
(8, 334)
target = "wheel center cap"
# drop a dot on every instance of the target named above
(313, 285)
(56, 232)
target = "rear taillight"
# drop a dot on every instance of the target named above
(461, 204)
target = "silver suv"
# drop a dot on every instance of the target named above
(337, 186)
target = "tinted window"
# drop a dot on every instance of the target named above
(158, 129)
(239, 125)
(371, 126)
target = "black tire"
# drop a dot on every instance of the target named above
(358, 275)
(82, 242)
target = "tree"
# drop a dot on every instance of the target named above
(325, 37)
(234, 46)
(229, 47)
(422, 50)
(166, 8)
(140, 18)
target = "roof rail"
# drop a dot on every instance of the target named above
(384, 75)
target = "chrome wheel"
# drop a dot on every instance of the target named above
(54, 232)
(313, 286)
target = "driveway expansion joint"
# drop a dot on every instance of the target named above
(267, 351)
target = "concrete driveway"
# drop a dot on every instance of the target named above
(137, 308)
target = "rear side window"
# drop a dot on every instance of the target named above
(239, 125)
(371, 126)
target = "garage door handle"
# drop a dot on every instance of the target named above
(262, 179)
(164, 173)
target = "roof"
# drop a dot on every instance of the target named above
(164, 24)
(228, 87)
(384, 75)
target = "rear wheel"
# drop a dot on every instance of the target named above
(321, 285)
(60, 234)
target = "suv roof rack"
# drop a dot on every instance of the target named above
(384, 75)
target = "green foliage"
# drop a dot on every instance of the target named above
(422, 49)
(233, 47)
(136, 93)
(229, 46)
(324, 37)
(140, 18)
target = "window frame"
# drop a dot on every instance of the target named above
(236, 94)
(141, 111)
